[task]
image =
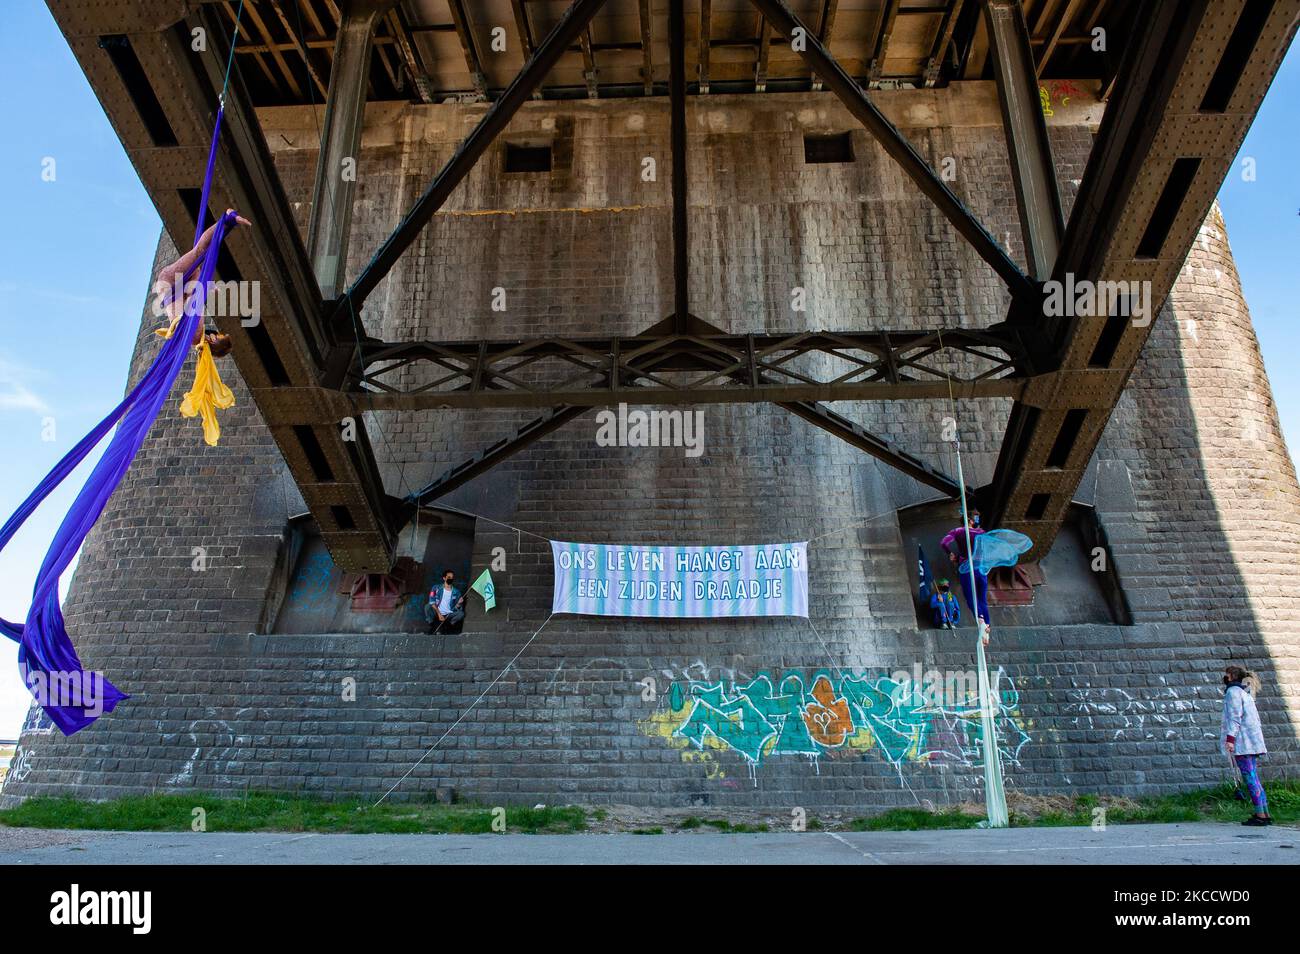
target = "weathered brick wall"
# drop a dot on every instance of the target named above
(1192, 480)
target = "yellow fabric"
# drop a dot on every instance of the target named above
(167, 332)
(207, 395)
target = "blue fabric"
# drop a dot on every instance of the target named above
(923, 574)
(47, 661)
(997, 548)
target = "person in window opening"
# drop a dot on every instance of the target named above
(1242, 737)
(944, 608)
(446, 605)
(173, 305)
(957, 544)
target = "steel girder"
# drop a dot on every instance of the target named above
(1191, 87)
(687, 369)
(161, 97)
(1188, 90)
(1029, 151)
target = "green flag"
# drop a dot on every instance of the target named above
(485, 588)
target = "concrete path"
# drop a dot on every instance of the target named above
(1121, 844)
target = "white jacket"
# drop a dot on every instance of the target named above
(1241, 721)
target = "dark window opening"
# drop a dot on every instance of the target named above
(191, 198)
(528, 158)
(309, 593)
(1245, 35)
(138, 87)
(267, 355)
(836, 148)
(1108, 342)
(1168, 206)
(1065, 584)
(1037, 506)
(315, 454)
(1066, 437)
(342, 517)
(276, 375)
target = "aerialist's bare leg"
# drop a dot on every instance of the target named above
(168, 275)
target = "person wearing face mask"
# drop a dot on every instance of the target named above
(957, 544)
(944, 608)
(1242, 737)
(446, 606)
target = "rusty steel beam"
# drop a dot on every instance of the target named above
(411, 56)
(705, 44)
(671, 367)
(490, 457)
(764, 51)
(1189, 87)
(162, 110)
(1030, 152)
(464, 32)
(942, 40)
(1067, 15)
(647, 46)
(880, 45)
(677, 107)
(330, 223)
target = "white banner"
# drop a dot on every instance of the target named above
(597, 579)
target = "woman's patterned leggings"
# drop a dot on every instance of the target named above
(1249, 767)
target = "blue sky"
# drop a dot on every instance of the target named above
(75, 256)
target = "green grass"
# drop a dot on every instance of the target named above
(914, 819)
(272, 812)
(718, 824)
(1213, 804)
(264, 811)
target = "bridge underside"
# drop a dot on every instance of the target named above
(1184, 81)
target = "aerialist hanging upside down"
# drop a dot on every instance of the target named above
(167, 296)
(173, 294)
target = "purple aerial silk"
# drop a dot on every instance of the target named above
(47, 661)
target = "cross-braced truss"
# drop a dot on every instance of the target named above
(690, 369)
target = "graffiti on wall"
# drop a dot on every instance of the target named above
(20, 766)
(37, 722)
(1060, 91)
(313, 584)
(840, 714)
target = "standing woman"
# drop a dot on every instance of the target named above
(1242, 737)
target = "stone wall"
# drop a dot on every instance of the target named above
(1192, 482)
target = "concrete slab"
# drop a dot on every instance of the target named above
(1120, 844)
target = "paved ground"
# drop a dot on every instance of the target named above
(1121, 844)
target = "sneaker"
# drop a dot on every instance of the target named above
(1254, 821)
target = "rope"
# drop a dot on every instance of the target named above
(995, 797)
(462, 716)
(230, 60)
